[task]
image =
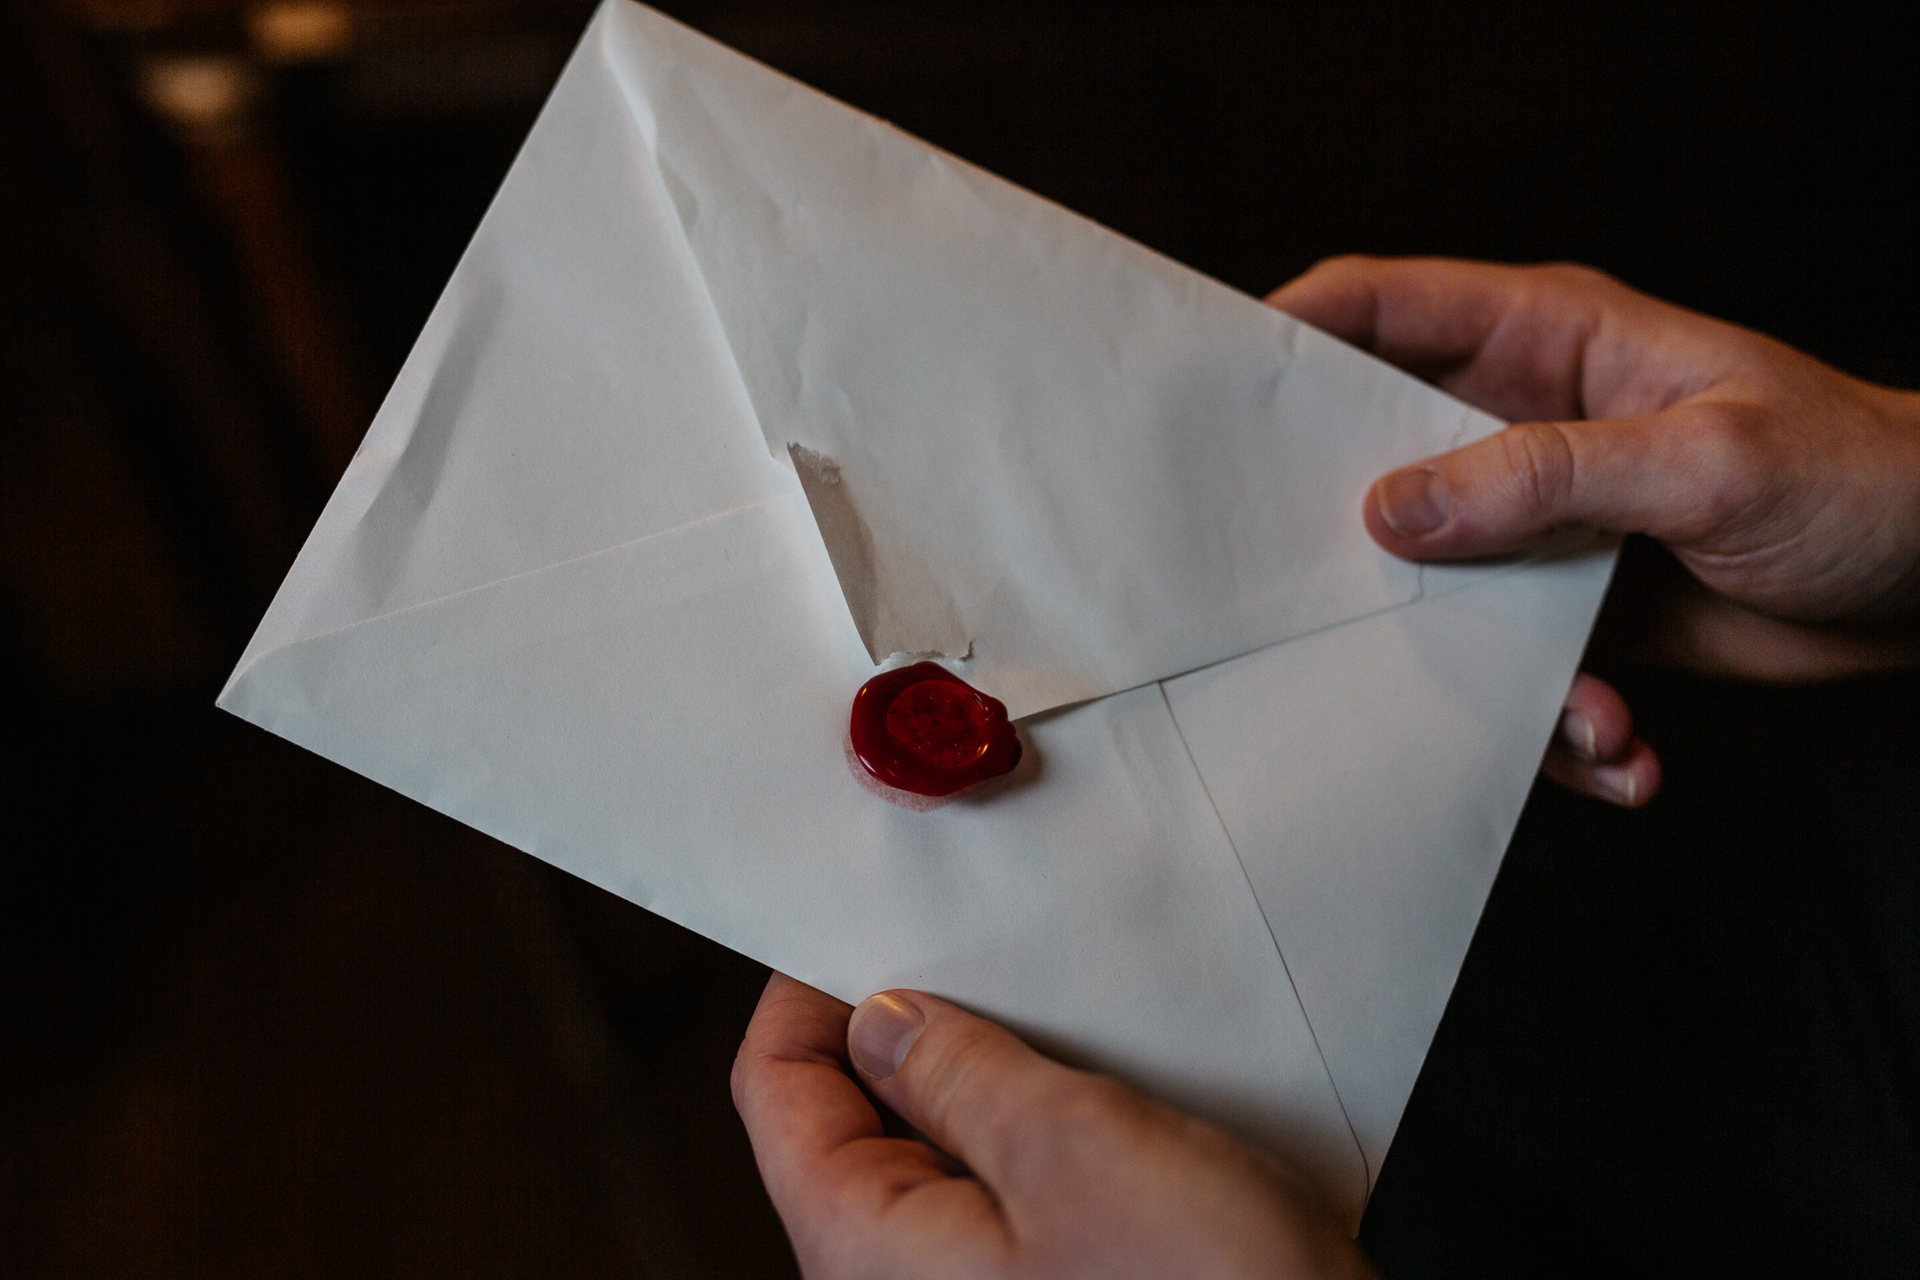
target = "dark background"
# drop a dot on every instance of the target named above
(262, 1017)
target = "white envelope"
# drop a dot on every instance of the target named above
(571, 591)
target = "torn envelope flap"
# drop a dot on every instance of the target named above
(908, 607)
(1092, 465)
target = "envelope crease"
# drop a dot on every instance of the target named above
(568, 593)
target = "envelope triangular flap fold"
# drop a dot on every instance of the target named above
(1052, 450)
(571, 390)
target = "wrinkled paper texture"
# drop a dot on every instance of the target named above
(1052, 451)
(575, 592)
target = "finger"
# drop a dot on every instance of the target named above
(1595, 725)
(790, 1086)
(1630, 780)
(1595, 752)
(1678, 475)
(975, 1088)
(1519, 342)
(1415, 312)
(838, 1182)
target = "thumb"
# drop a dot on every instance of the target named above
(1648, 474)
(970, 1086)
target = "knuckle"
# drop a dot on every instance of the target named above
(1578, 276)
(1339, 270)
(957, 1071)
(1537, 461)
(1725, 429)
(1096, 1104)
(1574, 289)
(1726, 445)
(1343, 263)
(1090, 1122)
(740, 1080)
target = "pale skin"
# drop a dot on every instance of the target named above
(1066, 1173)
(1787, 492)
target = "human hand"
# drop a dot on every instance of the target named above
(1067, 1173)
(1789, 491)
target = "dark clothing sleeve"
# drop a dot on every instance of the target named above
(1685, 1039)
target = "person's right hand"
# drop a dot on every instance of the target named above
(1067, 1175)
(1789, 491)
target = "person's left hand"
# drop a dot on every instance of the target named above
(1067, 1173)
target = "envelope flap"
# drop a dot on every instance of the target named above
(1029, 441)
(572, 364)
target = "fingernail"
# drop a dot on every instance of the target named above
(1414, 501)
(1579, 735)
(884, 1027)
(1619, 785)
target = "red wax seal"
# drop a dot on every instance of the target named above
(925, 730)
